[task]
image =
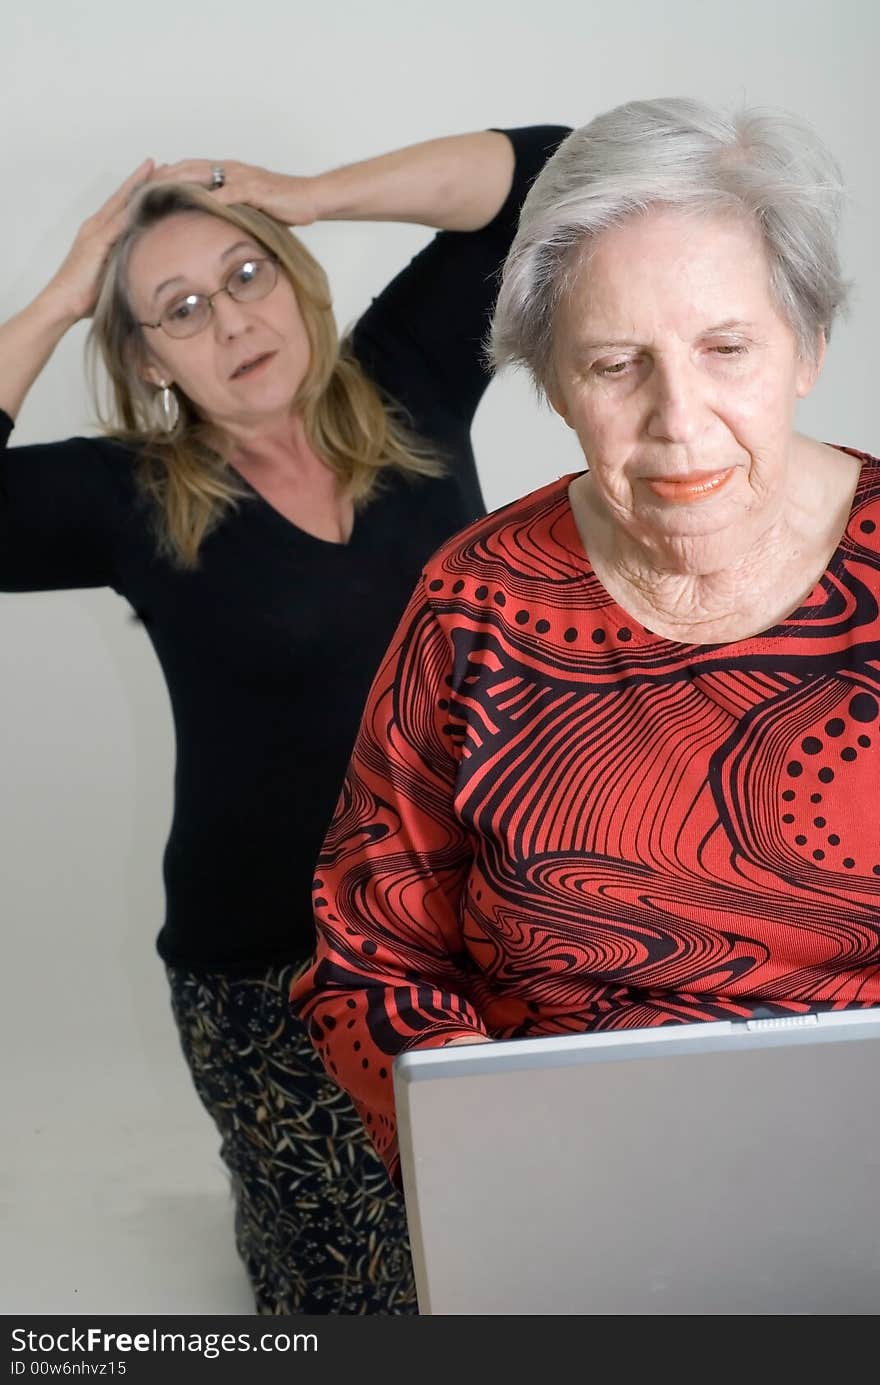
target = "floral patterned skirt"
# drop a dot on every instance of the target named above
(318, 1224)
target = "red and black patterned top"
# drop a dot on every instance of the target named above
(556, 821)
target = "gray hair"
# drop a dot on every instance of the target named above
(681, 153)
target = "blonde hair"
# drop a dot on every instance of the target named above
(347, 421)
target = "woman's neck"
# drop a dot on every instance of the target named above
(277, 444)
(280, 464)
(730, 586)
(755, 591)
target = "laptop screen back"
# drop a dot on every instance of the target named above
(711, 1168)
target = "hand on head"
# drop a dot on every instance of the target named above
(290, 199)
(79, 278)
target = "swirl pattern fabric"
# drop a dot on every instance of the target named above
(557, 821)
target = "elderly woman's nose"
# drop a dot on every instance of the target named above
(676, 404)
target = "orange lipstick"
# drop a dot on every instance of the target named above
(695, 486)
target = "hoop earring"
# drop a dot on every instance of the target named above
(166, 410)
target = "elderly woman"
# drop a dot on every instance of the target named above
(617, 767)
(265, 502)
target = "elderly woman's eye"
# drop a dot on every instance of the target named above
(730, 349)
(611, 368)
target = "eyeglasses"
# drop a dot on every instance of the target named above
(248, 282)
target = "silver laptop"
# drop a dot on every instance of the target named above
(704, 1168)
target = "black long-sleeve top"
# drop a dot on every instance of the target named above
(269, 646)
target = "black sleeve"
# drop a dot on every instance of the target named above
(58, 514)
(427, 331)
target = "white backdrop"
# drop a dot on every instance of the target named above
(113, 1198)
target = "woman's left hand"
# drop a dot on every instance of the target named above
(290, 199)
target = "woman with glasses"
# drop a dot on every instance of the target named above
(264, 498)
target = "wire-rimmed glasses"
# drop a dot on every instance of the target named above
(248, 282)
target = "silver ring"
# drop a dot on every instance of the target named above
(218, 177)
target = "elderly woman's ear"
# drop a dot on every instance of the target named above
(811, 367)
(556, 398)
(557, 403)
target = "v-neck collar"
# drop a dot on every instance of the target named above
(293, 530)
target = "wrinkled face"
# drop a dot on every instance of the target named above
(679, 375)
(244, 368)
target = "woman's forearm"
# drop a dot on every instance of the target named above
(26, 343)
(457, 183)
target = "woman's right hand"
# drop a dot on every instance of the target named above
(74, 288)
(28, 339)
